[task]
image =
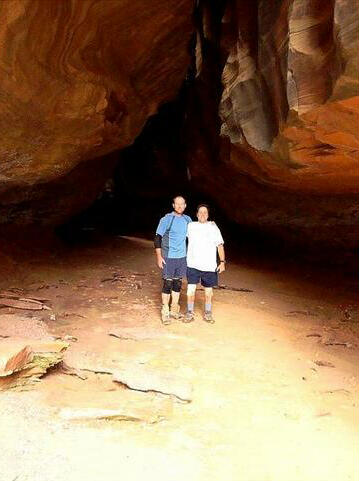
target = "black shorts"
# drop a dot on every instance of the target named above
(174, 268)
(207, 278)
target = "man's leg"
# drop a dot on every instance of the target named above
(208, 294)
(175, 295)
(168, 274)
(193, 277)
(180, 269)
(209, 280)
(191, 293)
(166, 294)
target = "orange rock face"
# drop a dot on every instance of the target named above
(289, 115)
(78, 80)
(296, 96)
(272, 117)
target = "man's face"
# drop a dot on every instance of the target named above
(179, 205)
(202, 214)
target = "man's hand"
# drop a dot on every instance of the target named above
(221, 267)
(161, 262)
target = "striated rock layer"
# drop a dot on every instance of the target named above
(283, 155)
(270, 108)
(78, 81)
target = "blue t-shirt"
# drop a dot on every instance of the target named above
(174, 240)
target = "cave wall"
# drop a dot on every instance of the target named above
(282, 154)
(78, 80)
(265, 123)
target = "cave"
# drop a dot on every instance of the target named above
(109, 112)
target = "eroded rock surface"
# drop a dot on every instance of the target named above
(78, 80)
(296, 95)
(285, 153)
(24, 361)
(270, 107)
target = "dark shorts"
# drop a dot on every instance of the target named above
(207, 278)
(174, 268)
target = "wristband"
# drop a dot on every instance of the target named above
(223, 262)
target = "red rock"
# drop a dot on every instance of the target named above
(79, 80)
(287, 157)
(19, 361)
(24, 361)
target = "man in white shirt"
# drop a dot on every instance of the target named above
(204, 241)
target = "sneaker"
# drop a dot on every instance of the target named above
(208, 317)
(165, 316)
(175, 312)
(189, 317)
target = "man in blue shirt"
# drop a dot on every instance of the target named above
(170, 245)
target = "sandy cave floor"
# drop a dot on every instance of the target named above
(274, 397)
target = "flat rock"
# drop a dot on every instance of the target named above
(118, 405)
(14, 325)
(142, 333)
(87, 414)
(121, 414)
(143, 378)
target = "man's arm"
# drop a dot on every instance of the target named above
(158, 250)
(220, 249)
(222, 259)
(161, 229)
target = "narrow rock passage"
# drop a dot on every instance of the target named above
(274, 380)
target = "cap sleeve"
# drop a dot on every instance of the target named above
(162, 226)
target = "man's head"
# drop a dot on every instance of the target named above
(202, 213)
(179, 204)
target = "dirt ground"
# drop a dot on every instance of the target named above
(274, 380)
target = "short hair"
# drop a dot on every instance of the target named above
(177, 197)
(202, 205)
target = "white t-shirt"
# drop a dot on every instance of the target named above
(203, 239)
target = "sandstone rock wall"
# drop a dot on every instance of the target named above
(270, 119)
(79, 78)
(285, 156)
